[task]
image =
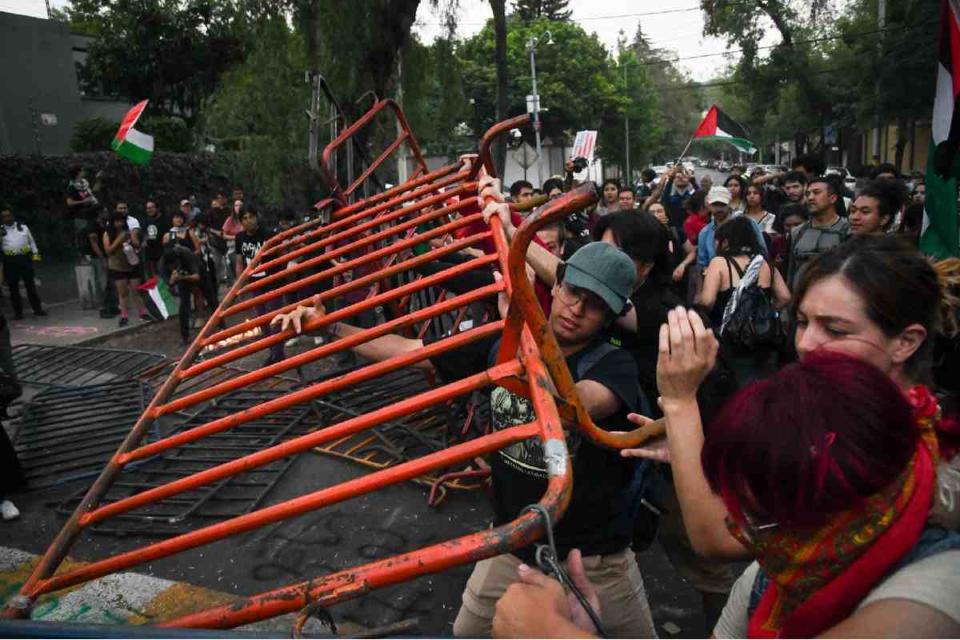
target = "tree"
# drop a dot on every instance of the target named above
(502, 84)
(528, 10)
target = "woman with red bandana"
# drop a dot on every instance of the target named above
(842, 488)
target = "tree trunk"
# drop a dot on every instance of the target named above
(500, 36)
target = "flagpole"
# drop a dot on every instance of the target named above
(684, 152)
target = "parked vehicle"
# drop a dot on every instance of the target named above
(849, 181)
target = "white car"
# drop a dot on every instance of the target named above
(848, 180)
(659, 169)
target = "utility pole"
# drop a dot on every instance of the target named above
(533, 100)
(626, 127)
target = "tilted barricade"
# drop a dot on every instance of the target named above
(381, 237)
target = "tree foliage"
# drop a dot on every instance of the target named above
(528, 10)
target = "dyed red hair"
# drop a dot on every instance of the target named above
(810, 441)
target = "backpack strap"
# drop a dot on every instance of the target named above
(591, 358)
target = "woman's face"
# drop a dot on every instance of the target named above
(119, 223)
(832, 315)
(754, 199)
(610, 193)
(177, 219)
(659, 213)
(734, 187)
(237, 206)
(643, 267)
(865, 216)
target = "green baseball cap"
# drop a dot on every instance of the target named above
(605, 270)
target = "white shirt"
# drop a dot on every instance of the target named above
(18, 242)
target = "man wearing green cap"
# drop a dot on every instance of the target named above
(591, 291)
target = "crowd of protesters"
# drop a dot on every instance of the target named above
(804, 356)
(801, 350)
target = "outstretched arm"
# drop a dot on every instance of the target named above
(378, 349)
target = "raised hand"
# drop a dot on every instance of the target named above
(300, 316)
(688, 351)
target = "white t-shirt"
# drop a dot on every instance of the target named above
(933, 581)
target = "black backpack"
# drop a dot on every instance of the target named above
(753, 325)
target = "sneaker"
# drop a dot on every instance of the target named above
(124, 321)
(271, 360)
(9, 510)
(292, 342)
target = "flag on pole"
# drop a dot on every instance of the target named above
(584, 145)
(133, 145)
(719, 126)
(161, 303)
(939, 236)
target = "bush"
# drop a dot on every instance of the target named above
(93, 134)
(170, 134)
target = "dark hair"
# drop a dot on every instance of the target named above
(912, 220)
(517, 186)
(886, 271)
(833, 185)
(202, 218)
(249, 210)
(111, 228)
(641, 236)
(612, 181)
(648, 174)
(551, 184)
(287, 215)
(751, 185)
(626, 188)
(889, 194)
(5, 207)
(792, 209)
(886, 167)
(696, 202)
(851, 434)
(795, 176)
(170, 255)
(739, 236)
(813, 163)
(740, 181)
(178, 214)
(74, 171)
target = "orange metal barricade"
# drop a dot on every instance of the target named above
(380, 234)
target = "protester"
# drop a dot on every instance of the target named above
(82, 202)
(93, 248)
(718, 203)
(155, 228)
(919, 193)
(753, 209)
(740, 258)
(19, 253)
(12, 478)
(521, 191)
(676, 189)
(591, 290)
(825, 229)
(790, 217)
(648, 180)
(186, 209)
(133, 224)
(553, 187)
(185, 271)
(231, 228)
(211, 245)
(610, 196)
(181, 234)
(912, 223)
(247, 244)
(706, 183)
(735, 185)
(123, 265)
(626, 200)
(876, 471)
(677, 244)
(877, 206)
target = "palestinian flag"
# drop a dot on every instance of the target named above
(719, 126)
(939, 237)
(160, 301)
(133, 145)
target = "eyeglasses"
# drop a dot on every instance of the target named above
(571, 295)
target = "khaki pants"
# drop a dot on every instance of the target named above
(623, 602)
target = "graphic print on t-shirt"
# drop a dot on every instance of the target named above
(509, 410)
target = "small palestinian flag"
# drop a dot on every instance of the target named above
(939, 236)
(133, 145)
(719, 126)
(161, 303)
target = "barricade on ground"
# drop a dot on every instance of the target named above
(369, 255)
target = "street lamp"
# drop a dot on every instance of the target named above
(533, 100)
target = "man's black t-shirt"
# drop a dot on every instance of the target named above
(600, 476)
(189, 263)
(80, 191)
(248, 244)
(652, 301)
(152, 231)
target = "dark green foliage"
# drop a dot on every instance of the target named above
(528, 10)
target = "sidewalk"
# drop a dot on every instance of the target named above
(67, 324)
